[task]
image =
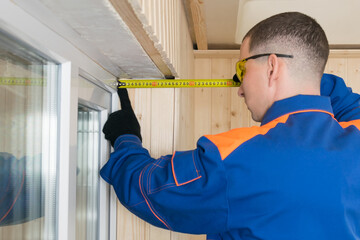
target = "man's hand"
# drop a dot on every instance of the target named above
(123, 121)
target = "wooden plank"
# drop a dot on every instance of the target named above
(162, 135)
(353, 70)
(128, 15)
(173, 34)
(182, 236)
(161, 30)
(129, 226)
(202, 100)
(167, 27)
(217, 53)
(184, 119)
(146, 10)
(350, 53)
(189, 20)
(221, 97)
(337, 66)
(198, 17)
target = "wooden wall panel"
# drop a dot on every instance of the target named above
(162, 125)
(337, 66)
(353, 74)
(220, 97)
(202, 100)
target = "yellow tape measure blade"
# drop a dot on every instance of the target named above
(176, 83)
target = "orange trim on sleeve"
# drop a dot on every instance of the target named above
(355, 123)
(173, 171)
(227, 142)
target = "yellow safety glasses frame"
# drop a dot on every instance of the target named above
(240, 65)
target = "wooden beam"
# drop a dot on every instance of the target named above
(128, 15)
(198, 18)
(217, 54)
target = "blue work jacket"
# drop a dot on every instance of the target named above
(297, 176)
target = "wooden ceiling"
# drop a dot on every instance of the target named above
(216, 24)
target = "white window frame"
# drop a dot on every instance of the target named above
(48, 40)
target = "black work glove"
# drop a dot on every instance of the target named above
(123, 121)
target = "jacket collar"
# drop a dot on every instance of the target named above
(295, 104)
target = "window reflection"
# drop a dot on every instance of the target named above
(28, 142)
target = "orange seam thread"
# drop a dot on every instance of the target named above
(163, 187)
(149, 175)
(160, 187)
(147, 202)
(193, 158)
(136, 204)
(151, 171)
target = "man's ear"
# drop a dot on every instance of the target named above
(273, 69)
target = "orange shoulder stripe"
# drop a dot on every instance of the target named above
(355, 123)
(227, 142)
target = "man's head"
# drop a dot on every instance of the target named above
(274, 77)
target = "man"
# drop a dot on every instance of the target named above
(297, 176)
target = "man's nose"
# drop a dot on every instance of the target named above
(241, 91)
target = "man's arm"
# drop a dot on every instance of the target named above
(345, 103)
(184, 192)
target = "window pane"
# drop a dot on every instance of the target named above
(28, 142)
(87, 184)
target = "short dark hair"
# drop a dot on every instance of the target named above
(295, 32)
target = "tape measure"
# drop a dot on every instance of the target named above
(176, 83)
(22, 81)
(136, 83)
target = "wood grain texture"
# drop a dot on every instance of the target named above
(221, 97)
(338, 67)
(198, 18)
(202, 100)
(162, 137)
(353, 74)
(128, 15)
(166, 24)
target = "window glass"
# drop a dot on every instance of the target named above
(87, 184)
(28, 141)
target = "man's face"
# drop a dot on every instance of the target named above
(255, 85)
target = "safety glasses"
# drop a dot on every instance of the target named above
(240, 65)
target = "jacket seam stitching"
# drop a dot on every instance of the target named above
(148, 202)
